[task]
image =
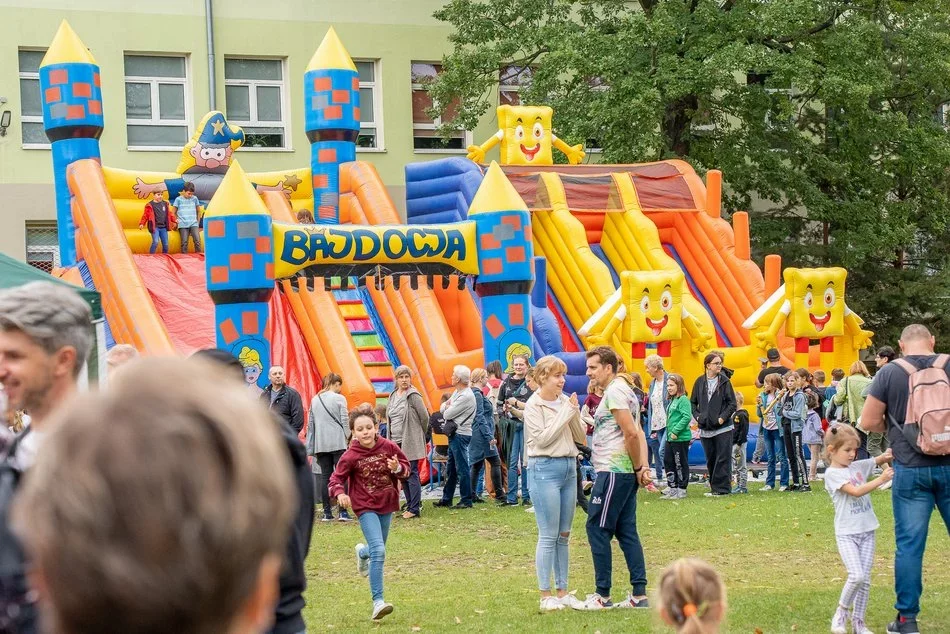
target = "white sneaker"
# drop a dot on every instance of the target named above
(550, 604)
(381, 609)
(668, 494)
(783, 488)
(630, 602)
(839, 622)
(680, 494)
(530, 509)
(362, 565)
(766, 488)
(858, 627)
(570, 600)
(595, 602)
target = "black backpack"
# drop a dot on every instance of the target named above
(17, 604)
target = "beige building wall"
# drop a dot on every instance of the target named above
(395, 32)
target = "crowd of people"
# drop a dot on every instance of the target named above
(142, 510)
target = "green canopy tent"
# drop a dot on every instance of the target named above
(16, 273)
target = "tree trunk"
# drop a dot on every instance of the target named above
(676, 122)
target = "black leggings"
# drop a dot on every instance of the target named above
(495, 463)
(327, 463)
(676, 464)
(796, 456)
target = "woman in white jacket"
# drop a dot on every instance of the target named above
(552, 424)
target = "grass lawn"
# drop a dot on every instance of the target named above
(473, 571)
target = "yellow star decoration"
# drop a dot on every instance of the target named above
(291, 181)
(218, 127)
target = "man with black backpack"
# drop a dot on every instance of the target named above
(910, 401)
(45, 337)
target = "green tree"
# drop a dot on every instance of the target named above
(824, 116)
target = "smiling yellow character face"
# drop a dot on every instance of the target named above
(816, 300)
(527, 135)
(654, 301)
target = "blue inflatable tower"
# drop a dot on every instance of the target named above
(505, 255)
(239, 260)
(332, 115)
(72, 117)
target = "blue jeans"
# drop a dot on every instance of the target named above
(915, 492)
(775, 450)
(657, 448)
(159, 235)
(554, 486)
(459, 471)
(514, 464)
(376, 531)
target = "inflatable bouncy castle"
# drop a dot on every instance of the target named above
(524, 256)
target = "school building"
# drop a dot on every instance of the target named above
(158, 77)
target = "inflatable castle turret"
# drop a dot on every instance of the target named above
(72, 117)
(332, 115)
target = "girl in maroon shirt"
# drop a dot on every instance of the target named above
(371, 467)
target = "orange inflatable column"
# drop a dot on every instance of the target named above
(740, 227)
(714, 193)
(773, 273)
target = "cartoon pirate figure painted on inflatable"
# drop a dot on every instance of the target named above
(204, 161)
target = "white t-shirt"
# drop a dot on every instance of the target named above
(657, 410)
(609, 451)
(853, 515)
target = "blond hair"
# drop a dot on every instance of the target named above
(152, 510)
(740, 399)
(478, 376)
(858, 367)
(692, 596)
(836, 436)
(548, 366)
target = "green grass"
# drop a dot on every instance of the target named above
(473, 571)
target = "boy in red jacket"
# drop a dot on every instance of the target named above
(158, 219)
(371, 467)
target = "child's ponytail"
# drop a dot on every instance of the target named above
(692, 597)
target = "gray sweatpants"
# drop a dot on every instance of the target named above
(739, 465)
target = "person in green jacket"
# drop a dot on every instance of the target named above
(679, 414)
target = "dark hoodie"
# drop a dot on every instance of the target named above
(293, 580)
(372, 486)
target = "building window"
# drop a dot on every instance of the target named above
(256, 100)
(511, 80)
(42, 245)
(425, 135)
(157, 101)
(371, 106)
(31, 105)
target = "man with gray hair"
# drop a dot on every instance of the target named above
(459, 412)
(283, 400)
(45, 338)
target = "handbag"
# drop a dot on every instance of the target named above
(334, 418)
(842, 415)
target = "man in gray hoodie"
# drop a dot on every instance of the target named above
(459, 413)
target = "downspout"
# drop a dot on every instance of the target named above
(209, 24)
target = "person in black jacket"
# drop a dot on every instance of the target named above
(293, 579)
(714, 403)
(740, 438)
(283, 400)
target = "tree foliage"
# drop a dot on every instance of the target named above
(822, 115)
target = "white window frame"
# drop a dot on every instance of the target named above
(30, 118)
(467, 139)
(377, 87)
(187, 122)
(251, 85)
(41, 250)
(514, 88)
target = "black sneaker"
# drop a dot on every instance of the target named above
(903, 625)
(477, 500)
(525, 502)
(462, 506)
(794, 487)
(805, 488)
(442, 503)
(510, 503)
